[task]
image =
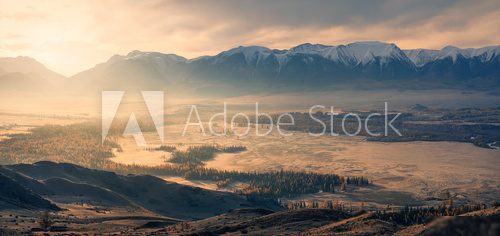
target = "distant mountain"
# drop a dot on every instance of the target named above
(304, 65)
(461, 64)
(68, 183)
(135, 70)
(25, 73)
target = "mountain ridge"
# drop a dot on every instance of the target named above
(313, 65)
(358, 50)
(306, 62)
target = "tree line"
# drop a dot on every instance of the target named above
(80, 144)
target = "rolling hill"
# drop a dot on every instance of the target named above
(15, 195)
(68, 183)
(334, 222)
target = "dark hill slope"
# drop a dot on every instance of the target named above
(15, 195)
(152, 193)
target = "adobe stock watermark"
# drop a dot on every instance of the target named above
(278, 122)
(154, 101)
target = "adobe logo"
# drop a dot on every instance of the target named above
(154, 101)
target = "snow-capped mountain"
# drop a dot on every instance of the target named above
(456, 63)
(348, 55)
(362, 59)
(354, 53)
(423, 56)
(302, 64)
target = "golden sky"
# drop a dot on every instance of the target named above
(71, 36)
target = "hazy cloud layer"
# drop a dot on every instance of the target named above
(73, 35)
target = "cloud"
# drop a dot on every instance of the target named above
(89, 32)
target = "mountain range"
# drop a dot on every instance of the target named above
(303, 65)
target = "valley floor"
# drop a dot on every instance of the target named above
(403, 173)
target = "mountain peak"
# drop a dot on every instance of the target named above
(370, 42)
(141, 55)
(135, 53)
(247, 50)
(308, 47)
(250, 53)
(364, 52)
(450, 48)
